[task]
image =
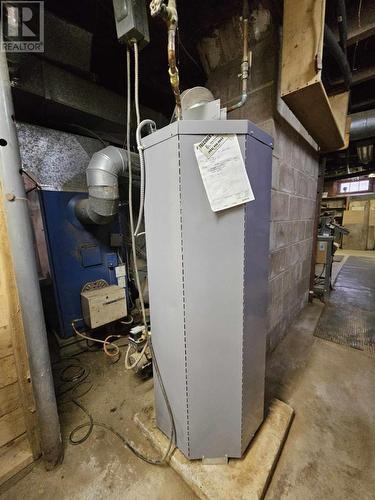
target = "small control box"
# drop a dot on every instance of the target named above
(131, 21)
(103, 305)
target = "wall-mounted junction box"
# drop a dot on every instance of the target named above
(131, 21)
(103, 305)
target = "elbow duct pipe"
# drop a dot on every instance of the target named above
(102, 181)
(335, 50)
(23, 253)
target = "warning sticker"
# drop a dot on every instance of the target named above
(223, 171)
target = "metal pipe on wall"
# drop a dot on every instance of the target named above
(23, 252)
(245, 65)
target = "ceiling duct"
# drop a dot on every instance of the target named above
(362, 125)
(365, 153)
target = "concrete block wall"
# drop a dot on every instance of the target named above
(294, 185)
(295, 163)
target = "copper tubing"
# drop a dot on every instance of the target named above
(173, 70)
(169, 14)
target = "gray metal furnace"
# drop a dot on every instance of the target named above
(208, 284)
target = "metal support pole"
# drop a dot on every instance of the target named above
(23, 252)
(318, 201)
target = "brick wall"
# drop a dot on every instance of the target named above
(295, 163)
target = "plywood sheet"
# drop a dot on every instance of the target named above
(302, 43)
(9, 398)
(14, 366)
(6, 347)
(14, 458)
(245, 478)
(372, 213)
(12, 425)
(8, 372)
(353, 217)
(324, 117)
(312, 107)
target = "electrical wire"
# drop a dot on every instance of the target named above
(142, 168)
(92, 133)
(78, 379)
(129, 366)
(131, 214)
(136, 82)
(105, 342)
(134, 250)
(357, 41)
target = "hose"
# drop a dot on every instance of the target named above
(142, 168)
(339, 56)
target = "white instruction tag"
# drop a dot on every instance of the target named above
(223, 171)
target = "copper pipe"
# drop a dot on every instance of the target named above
(170, 16)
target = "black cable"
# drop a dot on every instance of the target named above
(320, 276)
(92, 133)
(76, 374)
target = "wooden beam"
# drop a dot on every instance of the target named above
(361, 23)
(361, 76)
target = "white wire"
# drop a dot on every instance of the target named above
(133, 365)
(136, 83)
(131, 214)
(104, 342)
(142, 168)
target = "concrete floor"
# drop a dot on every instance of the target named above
(330, 450)
(329, 453)
(102, 467)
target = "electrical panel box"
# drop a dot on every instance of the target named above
(103, 305)
(208, 287)
(131, 21)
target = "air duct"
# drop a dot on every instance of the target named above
(102, 181)
(365, 153)
(362, 125)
